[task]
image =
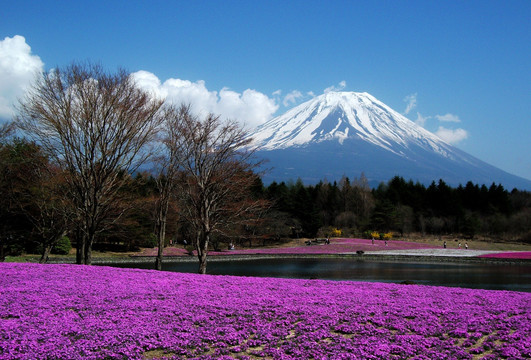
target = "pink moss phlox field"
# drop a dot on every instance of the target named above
(85, 312)
(509, 255)
(336, 246)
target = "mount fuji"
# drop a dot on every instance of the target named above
(347, 133)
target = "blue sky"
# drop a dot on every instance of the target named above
(461, 69)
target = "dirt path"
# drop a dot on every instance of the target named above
(433, 252)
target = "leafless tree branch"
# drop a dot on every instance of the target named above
(96, 125)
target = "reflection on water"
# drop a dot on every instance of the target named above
(479, 276)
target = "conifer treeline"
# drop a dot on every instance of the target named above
(402, 207)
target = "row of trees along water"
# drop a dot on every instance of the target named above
(100, 164)
(403, 207)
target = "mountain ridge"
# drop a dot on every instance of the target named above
(369, 137)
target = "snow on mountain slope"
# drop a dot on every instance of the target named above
(342, 115)
(340, 133)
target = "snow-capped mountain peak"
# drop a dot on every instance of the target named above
(340, 133)
(342, 115)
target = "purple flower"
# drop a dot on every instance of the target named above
(83, 312)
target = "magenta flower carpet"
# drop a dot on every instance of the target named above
(336, 246)
(85, 312)
(509, 255)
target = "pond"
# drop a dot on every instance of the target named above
(492, 276)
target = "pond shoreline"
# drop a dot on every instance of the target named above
(356, 257)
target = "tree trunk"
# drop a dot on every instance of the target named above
(202, 262)
(422, 224)
(158, 260)
(88, 248)
(80, 249)
(202, 249)
(88, 254)
(2, 253)
(45, 254)
(161, 234)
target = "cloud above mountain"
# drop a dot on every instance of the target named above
(411, 101)
(452, 136)
(421, 120)
(18, 68)
(292, 97)
(448, 118)
(249, 107)
(341, 86)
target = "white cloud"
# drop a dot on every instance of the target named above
(448, 118)
(411, 101)
(277, 93)
(251, 108)
(421, 120)
(149, 82)
(18, 68)
(292, 97)
(342, 85)
(452, 136)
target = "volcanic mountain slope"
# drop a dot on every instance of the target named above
(347, 133)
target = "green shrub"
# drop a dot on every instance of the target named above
(190, 249)
(14, 249)
(150, 241)
(62, 247)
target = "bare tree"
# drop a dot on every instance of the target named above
(362, 197)
(29, 204)
(11, 165)
(48, 208)
(216, 176)
(95, 125)
(6, 130)
(167, 166)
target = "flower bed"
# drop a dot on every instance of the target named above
(84, 312)
(336, 246)
(509, 255)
